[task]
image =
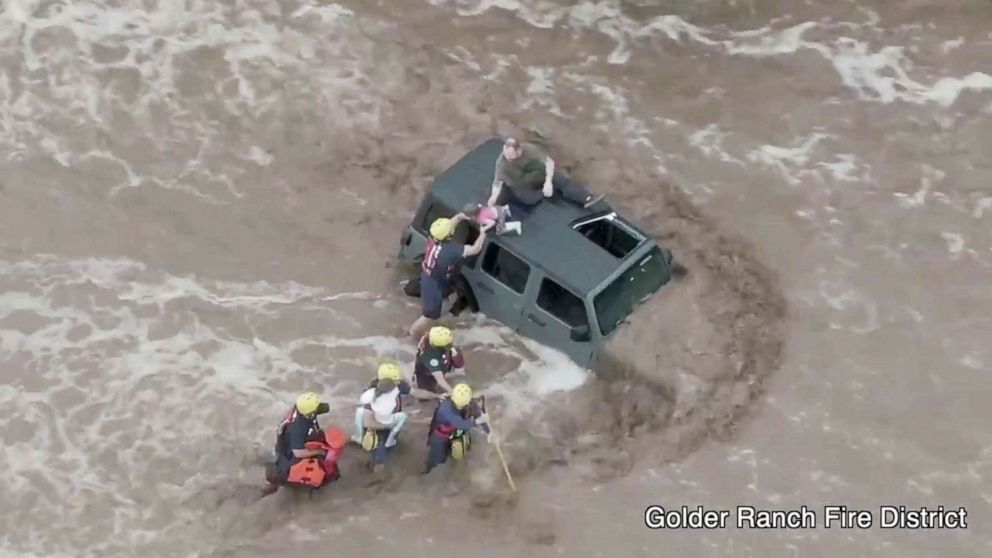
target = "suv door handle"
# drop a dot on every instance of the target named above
(485, 287)
(534, 319)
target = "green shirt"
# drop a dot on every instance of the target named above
(525, 175)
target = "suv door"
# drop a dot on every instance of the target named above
(499, 283)
(555, 315)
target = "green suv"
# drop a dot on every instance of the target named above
(568, 281)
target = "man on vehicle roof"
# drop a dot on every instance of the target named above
(525, 174)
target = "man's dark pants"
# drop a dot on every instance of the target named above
(563, 186)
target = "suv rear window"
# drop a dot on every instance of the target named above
(506, 268)
(561, 303)
(619, 299)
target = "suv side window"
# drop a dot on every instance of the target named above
(506, 268)
(561, 303)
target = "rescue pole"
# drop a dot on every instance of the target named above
(506, 469)
(499, 451)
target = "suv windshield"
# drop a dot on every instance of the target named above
(619, 299)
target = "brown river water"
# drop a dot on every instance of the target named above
(201, 202)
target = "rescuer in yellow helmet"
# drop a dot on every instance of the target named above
(451, 424)
(379, 417)
(437, 358)
(293, 458)
(443, 258)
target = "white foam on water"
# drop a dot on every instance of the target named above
(541, 90)
(972, 361)
(980, 206)
(612, 111)
(118, 359)
(118, 274)
(788, 159)
(553, 371)
(613, 99)
(201, 389)
(463, 56)
(710, 141)
(768, 42)
(929, 175)
(156, 43)
(542, 370)
(847, 300)
(328, 13)
(613, 105)
(876, 75)
(607, 19)
(950, 45)
(539, 13)
(19, 553)
(955, 242)
(844, 169)
(947, 90)
(674, 27)
(260, 156)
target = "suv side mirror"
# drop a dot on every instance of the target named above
(580, 333)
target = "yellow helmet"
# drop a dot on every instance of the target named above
(441, 336)
(390, 371)
(461, 395)
(442, 228)
(307, 403)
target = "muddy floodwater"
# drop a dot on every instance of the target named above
(201, 204)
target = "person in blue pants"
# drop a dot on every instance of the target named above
(379, 417)
(450, 430)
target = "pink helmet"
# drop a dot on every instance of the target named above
(488, 216)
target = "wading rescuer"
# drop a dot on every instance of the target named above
(379, 417)
(305, 455)
(443, 257)
(437, 358)
(453, 420)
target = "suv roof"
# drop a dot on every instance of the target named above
(548, 238)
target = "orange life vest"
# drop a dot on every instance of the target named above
(312, 471)
(309, 471)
